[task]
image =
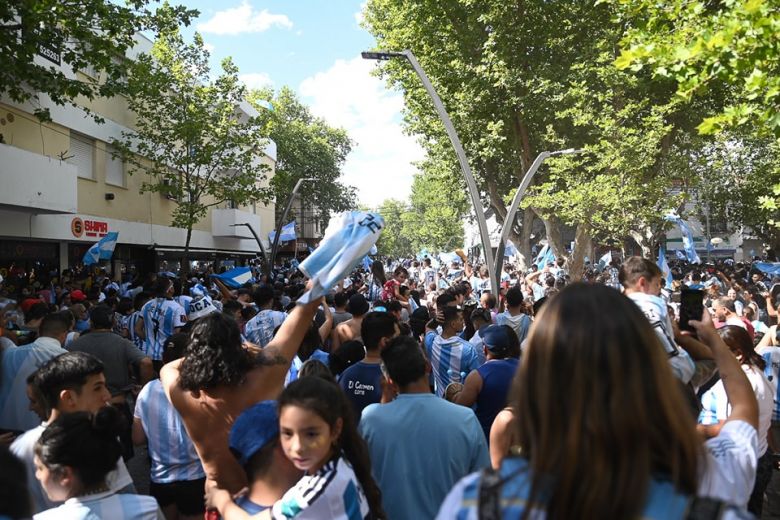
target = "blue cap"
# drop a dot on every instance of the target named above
(253, 429)
(495, 338)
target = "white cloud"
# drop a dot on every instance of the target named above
(209, 47)
(346, 95)
(243, 19)
(359, 17)
(255, 79)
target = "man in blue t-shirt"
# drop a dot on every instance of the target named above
(362, 382)
(419, 445)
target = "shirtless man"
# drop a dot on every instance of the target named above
(350, 329)
(219, 378)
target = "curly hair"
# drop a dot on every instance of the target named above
(214, 355)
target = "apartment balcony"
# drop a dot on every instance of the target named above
(37, 182)
(228, 223)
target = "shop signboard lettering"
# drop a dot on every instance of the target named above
(88, 228)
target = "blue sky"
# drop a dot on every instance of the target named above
(314, 47)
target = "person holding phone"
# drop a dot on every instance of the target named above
(641, 281)
(625, 446)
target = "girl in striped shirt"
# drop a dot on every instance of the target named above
(319, 436)
(72, 459)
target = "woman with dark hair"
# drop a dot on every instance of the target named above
(73, 456)
(378, 281)
(604, 429)
(715, 406)
(319, 435)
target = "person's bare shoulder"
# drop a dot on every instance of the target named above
(169, 377)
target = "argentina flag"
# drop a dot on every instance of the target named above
(102, 250)
(346, 242)
(235, 278)
(687, 238)
(287, 234)
(663, 265)
(544, 257)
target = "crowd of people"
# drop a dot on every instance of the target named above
(410, 391)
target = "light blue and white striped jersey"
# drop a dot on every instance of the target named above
(161, 317)
(103, 506)
(260, 329)
(131, 321)
(348, 238)
(184, 301)
(771, 355)
(173, 455)
(451, 360)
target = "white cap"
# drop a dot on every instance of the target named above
(200, 307)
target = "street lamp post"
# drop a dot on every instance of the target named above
(275, 244)
(510, 216)
(259, 243)
(464, 165)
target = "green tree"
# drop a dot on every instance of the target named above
(733, 173)
(393, 241)
(518, 79)
(81, 34)
(306, 147)
(437, 208)
(189, 138)
(705, 46)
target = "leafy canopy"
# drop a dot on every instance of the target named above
(190, 137)
(87, 34)
(307, 147)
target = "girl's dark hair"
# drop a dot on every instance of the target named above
(311, 342)
(215, 356)
(740, 343)
(347, 355)
(601, 470)
(316, 368)
(15, 500)
(378, 272)
(328, 401)
(85, 442)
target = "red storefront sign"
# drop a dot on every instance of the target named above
(88, 228)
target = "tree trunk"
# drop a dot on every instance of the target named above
(552, 226)
(524, 244)
(582, 246)
(643, 242)
(521, 239)
(185, 261)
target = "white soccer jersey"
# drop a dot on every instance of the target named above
(332, 492)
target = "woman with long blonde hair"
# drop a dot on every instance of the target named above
(602, 426)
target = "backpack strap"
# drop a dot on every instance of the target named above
(703, 508)
(489, 498)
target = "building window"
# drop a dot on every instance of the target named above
(115, 168)
(81, 155)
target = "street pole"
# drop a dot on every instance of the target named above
(464, 164)
(510, 216)
(275, 245)
(259, 243)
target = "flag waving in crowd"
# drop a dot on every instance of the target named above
(102, 250)
(288, 233)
